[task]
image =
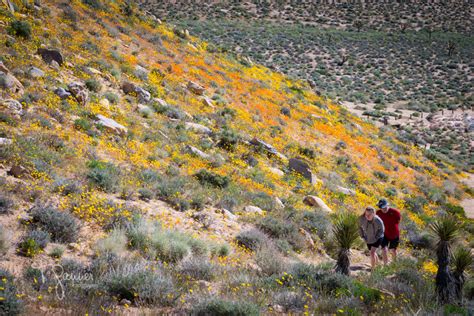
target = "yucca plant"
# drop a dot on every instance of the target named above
(462, 260)
(445, 230)
(346, 232)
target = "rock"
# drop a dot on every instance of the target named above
(345, 191)
(195, 88)
(62, 93)
(12, 107)
(194, 151)
(34, 72)
(50, 55)
(278, 203)
(105, 103)
(278, 308)
(341, 145)
(276, 171)
(312, 200)
(5, 141)
(307, 237)
(142, 95)
(267, 147)
(253, 209)
(300, 166)
(124, 302)
(17, 171)
(9, 82)
(79, 91)
(198, 128)
(160, 102)
(141, 72)
(111, 125)
(207, 101)
(25, 218)
(74, 246)
(228, 214)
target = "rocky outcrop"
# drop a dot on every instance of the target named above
(111, 125)
(50, 55)
(302, 167)
(132, 89)
(195, 88)
(79, 92)
(198, 128)
(269, 149)
(11, 107)
(8, 81)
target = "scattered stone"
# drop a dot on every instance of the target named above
(345, 191)
(207, 101)
(79, 91)
(195, 88)
(141, 72)
(276, 171)
(142, 95)
(17, 171)
(25, 218)
(267, 147)
(278, 203)
(300, 166)
(194, 151)
(198, 128)
(111, 125)
(8, 81)
(312, 200)
(124, 302)
(12, 107)
(74, 246)
(51, 55)
(5, 141)
(34, 72)
(228, 214)
(253, 209)
(160, 102)
(105, 103)
(62, 93)
(307, 237)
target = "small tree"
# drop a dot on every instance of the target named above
(346, 232)
(462, 261)
(445, 230)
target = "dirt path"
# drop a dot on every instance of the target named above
(468, 204)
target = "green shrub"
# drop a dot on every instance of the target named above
(269, 260)
(6, 204)
(317, 223)
(33, 243)
(82, 124)
(4, 240)
(57, 252)
(112, 97)
(94, 4)
(20, 29)
(228, 139)
(252, 239)
(197, 268)
(291, 301)
(219, 307)
(208, 178)
(10, 304)
(93, 85)
(170, 246)
(145, 194)
(455, 209)
(280, 229)
(103, 174)
(140, 284)
(115, 242)
(62, 226)
(221, 250)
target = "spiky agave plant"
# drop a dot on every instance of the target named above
(346, 232)
(462, 260)
(445, 230)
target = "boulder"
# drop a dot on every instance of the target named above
(111, 125)
(198, 128)
(195, 88)
(207, 101)
(300, 166)
(12, 107)
(276, 171)
(253, 209)
(345, 191)
(50, 55)
(228, 214)
(9, 82)
(308, 239)
(267, 147)
(130, 88)
(79, 91)
(5, 141)
(34, 72)
(194, 151)
(278, 203)
(315, 201)
(17, 171)
(62, 93)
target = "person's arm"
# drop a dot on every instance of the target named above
(381, 228)
(361, 230)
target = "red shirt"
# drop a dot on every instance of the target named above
(391, 219)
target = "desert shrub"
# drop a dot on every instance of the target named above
(62, 226)
(57, 252)
(33, 243)
(415, 203)
(197, 268)
(381, 175)
(112, 97)
(317, 223)
(6, 203)
(228, 139)
(66, 186)
(269, 260)
(219, 307)
(285, 111)
(280, 229)
(4, 240)
(10, 303)
(93, 85)
(252, 239)
(170, 246)
(94, 4)
(469, 290)
(115, 242)
(220, 250)
(140, 284)
(103, 174)
(291, 301)
(20, 29)
(454, 209)
(208, 178)
(82, 124)
(145, 194)
(308, 152)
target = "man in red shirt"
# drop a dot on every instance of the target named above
(391, 218)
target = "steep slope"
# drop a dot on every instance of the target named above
(114, 124)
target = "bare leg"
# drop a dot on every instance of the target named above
(373, 257)
(385, 255)
(394, 254)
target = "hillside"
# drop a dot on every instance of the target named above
(395, 62)
(163, 176)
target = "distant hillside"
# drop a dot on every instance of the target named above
(161, 176)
